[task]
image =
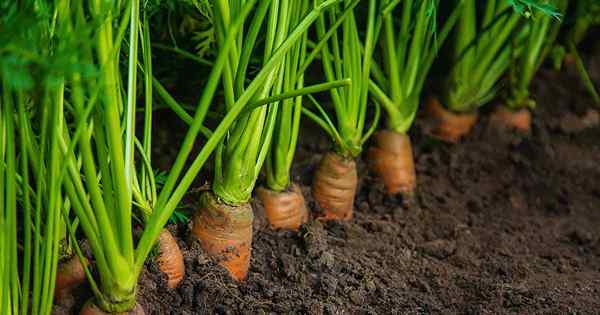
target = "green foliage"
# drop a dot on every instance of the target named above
(240, 157)
(160, 177)
(346, 54)
(34, 56)
(482, 47)
(71, 140)
(179, 217)
(409, 45)
(539, 34)
(527, 8)
(189, 24)
(487, 37)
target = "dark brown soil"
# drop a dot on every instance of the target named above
(502, 223)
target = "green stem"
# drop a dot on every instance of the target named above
(170, 199)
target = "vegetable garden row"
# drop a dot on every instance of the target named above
(79, 93)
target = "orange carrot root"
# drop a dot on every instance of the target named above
(90, 308)
(519, 120)
(391, 158)
(334, 186)
(170, 259)
(69, 275)
(225, 232)
(286, 209)
(449, 126)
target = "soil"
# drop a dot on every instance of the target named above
(502, 224)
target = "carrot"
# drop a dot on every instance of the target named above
(449, 126)
(334, 186)
(170, 259)
(225, 232)
(90, 308)
(391, 158)
(69, 275)
(519, 120)
(284, 209)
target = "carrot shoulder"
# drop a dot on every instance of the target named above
(519, 120)
(449, 126)
(225, 233)
(334, 186)
(170, 259)
(285, 209)
(391, 158)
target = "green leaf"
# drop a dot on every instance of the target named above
(527, 8)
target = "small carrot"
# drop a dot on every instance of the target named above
(225, 232)
(449, 126)
(285, 209)
(170, 259)
(519, 120)
(334, 186)
(391, 158)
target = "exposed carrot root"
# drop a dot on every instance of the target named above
(285, 209)
(170, 259)
(70, 274)
(90, 308)
(225, 232)
(391, 158)
(449, 126)
(334, 186)
(519, 120)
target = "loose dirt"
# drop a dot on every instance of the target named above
(502, 223)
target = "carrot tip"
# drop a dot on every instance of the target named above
(225, 233)
(170, 259)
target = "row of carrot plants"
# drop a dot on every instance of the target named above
(79, 93)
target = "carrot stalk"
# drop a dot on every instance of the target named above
(449, 126)
(334, 186)
(170, 259)
(505, 118)
(285, 209)
(225, 233)
(391, 158)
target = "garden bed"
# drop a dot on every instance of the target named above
(501, 224)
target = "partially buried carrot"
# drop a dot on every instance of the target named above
(70, 274)
(391, 158)
(284, 209)
(449, 126)
(90, 308)
(334, 186)
(170, 259)
(225, 232)
(519, 120)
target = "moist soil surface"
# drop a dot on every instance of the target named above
(501, 224)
